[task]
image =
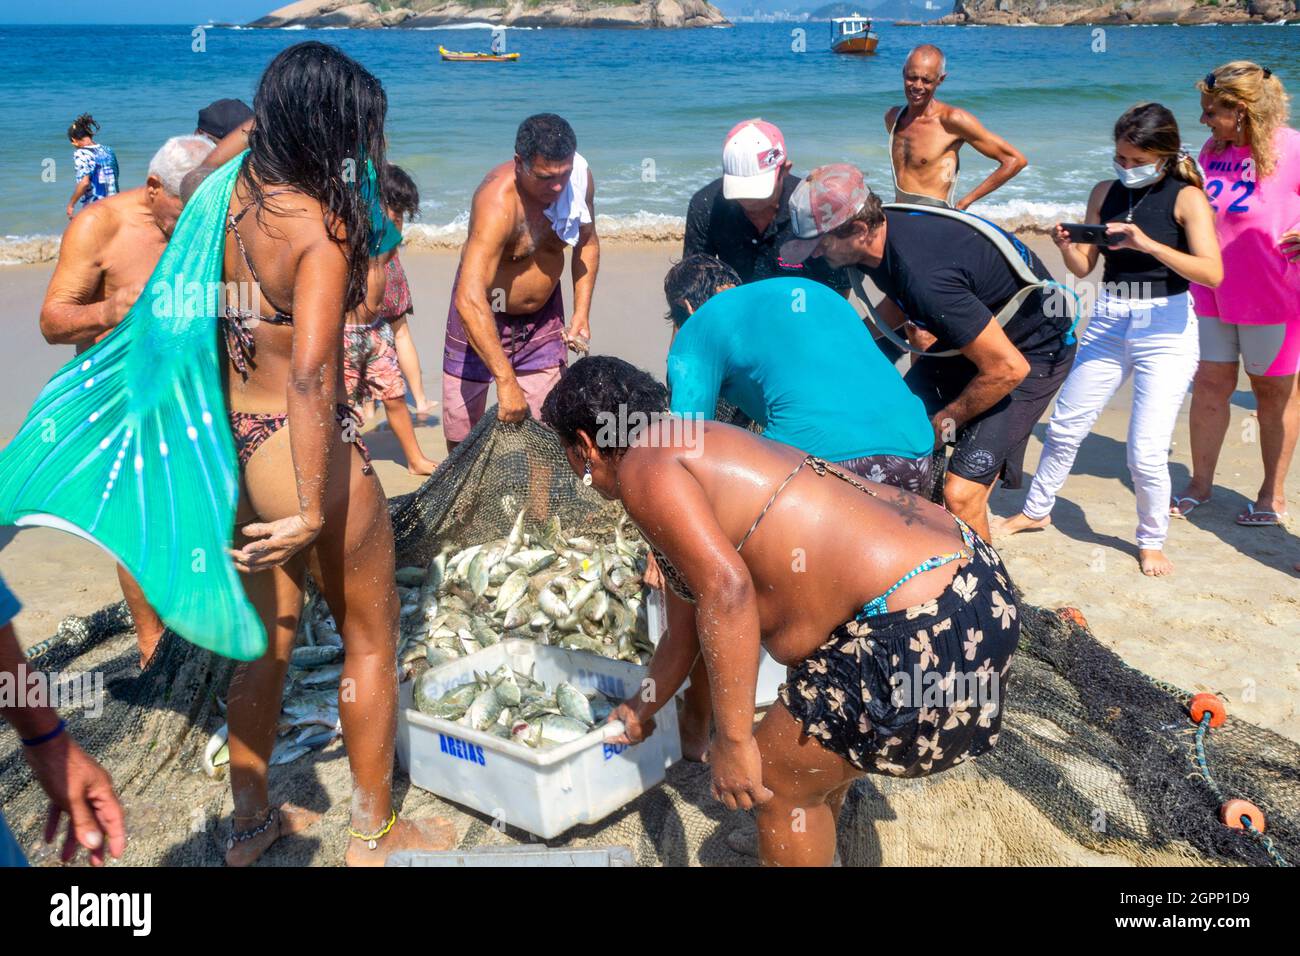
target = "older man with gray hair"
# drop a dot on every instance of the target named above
(926, 137)
(107, 255)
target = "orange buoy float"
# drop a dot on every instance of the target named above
(1072, 614)
(1233, 812)
(1208, 703)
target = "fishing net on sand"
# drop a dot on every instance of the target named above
(1096, 762)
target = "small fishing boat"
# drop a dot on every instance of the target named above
(853, 35)
(457, 57)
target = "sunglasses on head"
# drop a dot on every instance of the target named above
(1211, 79)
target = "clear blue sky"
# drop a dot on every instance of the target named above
(136, 11)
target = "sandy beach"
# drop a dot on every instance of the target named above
(1227, 621)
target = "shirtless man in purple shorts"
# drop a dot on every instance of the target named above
(506, 321)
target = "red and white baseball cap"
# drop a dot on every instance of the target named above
(827, 198)
(752, 156)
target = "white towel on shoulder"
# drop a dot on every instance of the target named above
(570, 212)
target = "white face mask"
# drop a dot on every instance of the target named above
(1139, 176)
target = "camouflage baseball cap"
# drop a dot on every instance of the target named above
(827, 198)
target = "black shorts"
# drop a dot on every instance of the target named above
(912, 692)
(993, 443)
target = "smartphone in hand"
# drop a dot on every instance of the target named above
(1088, 234)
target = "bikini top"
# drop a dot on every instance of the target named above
(238, 322)
(875, 606)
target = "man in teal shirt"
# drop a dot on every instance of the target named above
(796, 358)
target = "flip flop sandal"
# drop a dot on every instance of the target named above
(1252, 518)
(1175, 506)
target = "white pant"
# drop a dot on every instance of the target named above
(1156, 340)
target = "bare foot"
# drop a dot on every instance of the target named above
(1154, 563)
(422, 466)
(695, 742)
(1005, 527)
(430, 834)
(289, 819)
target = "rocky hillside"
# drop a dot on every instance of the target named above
(524, 13)
(1121, 11)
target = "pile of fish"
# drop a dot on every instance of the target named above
(574, 592)
(309, 711)
(515, 707)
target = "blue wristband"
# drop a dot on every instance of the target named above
(44, 738)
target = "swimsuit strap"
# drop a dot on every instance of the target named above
(771, 501)
(876, 606)
(825, 468)
(232, 225)
(822, 469)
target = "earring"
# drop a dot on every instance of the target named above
(586, 473)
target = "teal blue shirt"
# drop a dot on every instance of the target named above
(795, 357)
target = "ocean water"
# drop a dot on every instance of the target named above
(650, 107)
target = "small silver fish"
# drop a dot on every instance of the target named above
(561, 729)
(410, 577)
(331, 674)
(314, 656)
(573, 703)
(217, 752)
(286, 752)
(485, 709)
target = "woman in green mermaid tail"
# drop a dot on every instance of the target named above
(298, 232)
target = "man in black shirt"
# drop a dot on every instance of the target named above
(945, 282)
(743, 218)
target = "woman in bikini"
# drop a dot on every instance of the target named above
(299, 235)
(897, 622)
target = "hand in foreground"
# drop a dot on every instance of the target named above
(738, 774)
(274, 542)
(635, 729)
(1290, 245)
(81, 788)
(1061, 237)
(1127, 235)
(511, 404)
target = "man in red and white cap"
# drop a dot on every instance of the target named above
(742, 218)
(944, 280)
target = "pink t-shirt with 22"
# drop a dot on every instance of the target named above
(1260, 287)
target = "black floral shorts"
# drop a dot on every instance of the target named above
(915, 691)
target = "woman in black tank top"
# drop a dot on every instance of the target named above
(1159, 238)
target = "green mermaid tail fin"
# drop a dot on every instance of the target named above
(129, 445)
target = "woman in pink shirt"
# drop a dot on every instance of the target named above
(1252, 178)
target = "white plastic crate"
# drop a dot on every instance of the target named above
(771, 675)
(544, 792)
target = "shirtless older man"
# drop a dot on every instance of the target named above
(926, 136)
(506, 321)
(107, 255)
